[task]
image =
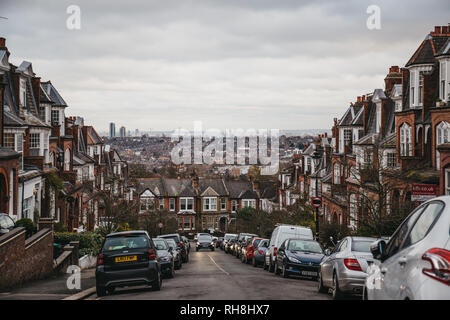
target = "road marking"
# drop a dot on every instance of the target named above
(218, 265)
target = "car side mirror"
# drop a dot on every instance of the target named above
(378, 249)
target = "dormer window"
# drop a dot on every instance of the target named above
(23, 93)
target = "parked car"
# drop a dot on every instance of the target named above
(6, 223)
(187, 243)
(300, 257)
(177, 238)
(229, 245)
(344, 270)
(176, 252)
(247, 252)
(227, 237)
(260, 253)
(166, 258)
(126, 259)
(279, 235)
(415, 263)
(205, 242)
(219, 242)
(242, 241)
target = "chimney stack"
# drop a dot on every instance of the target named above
(392, 78)
(358, 99)
(2, 42)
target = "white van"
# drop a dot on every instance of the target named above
(281, 233)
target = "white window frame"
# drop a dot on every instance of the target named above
(248, 203)
(210, 204)
(405, 140)
(186, 203)
(172, 204)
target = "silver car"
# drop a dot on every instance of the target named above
(415, 263)
(344, 270)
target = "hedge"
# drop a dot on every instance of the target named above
(90, 242)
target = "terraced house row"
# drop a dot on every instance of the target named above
(204, 204)
(389, 150)
(38, 143)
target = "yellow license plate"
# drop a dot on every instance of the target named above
(126, 259)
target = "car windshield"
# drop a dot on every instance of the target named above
(172, 244)
(229, 236)
(204, 238)
(256, 242)
(160, 244)
(174, 238)
(305, 245)
(362, 246)
(264, 244)
(125, 242)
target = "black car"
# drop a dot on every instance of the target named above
(205, 242)
(166, 258)
(180, 244)
(6, 223)
(187, 243)
(299, 257)
(127, 259)
(219, 242)
(176, 252)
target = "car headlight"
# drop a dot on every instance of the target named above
(198, 243)
(212, 243)
(292, 259)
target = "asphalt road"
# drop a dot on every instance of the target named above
(214, 275)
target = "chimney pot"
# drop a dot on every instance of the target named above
(2, 42)
(444, 29)
(364, 98)
(437, 29)
(358, 99)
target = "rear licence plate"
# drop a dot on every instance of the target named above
(126, 259)
(309, 273)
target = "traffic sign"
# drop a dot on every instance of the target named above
(316, 202)
(160, 225)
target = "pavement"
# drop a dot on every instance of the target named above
(53, 288)
(214, 275)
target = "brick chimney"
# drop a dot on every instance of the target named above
(2, 42)
(195, 182)
(255, 185)
(393, 77)
(358, 99)
(36, 84)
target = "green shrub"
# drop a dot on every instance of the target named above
(90, 242)
(60, 227)
(28, 225)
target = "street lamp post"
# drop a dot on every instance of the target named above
(316, 157)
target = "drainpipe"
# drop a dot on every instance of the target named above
(23, 193)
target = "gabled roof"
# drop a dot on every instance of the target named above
(53, 94)
(26, 68)
(445, 49)
(428, 49)
(216, 184)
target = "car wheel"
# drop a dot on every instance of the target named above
(337, 294)
(320, 287)
(196, 249)
(212, 249)
(271, 267)
(156, 285)
(265, 266)
(254, 263)
(101, 291)
(277, 270)
(284, 272)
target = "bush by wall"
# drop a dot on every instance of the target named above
(90, 242)
(28, 225)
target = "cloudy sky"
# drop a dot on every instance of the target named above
(163, 64)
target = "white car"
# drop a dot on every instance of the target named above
(415, 263)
